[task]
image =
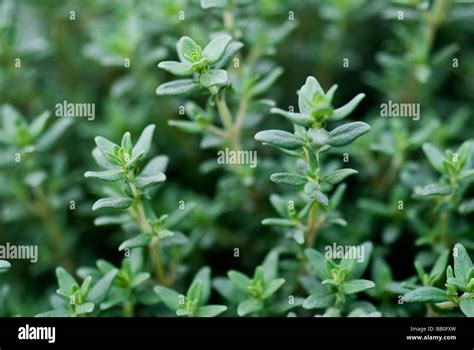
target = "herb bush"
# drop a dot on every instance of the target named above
(237, 158)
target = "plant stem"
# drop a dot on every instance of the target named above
(128, 308)
(145, 227)
(311, 226)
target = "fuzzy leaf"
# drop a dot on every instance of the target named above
(434, 155)
(297, 118)
(347, 133)
(187, 126)
(435, 189)
(317, 262)
(107, 175)
(344, 111)
(210, 310)
(176, 68)
(141, 240)
(168, 296)
(143, 144)
(249, 306)
(272, 287)
(289, 179)
(185, 48)
(264, 84)
(143, 181)
(467, 306)
(100, 289)
(319, 300)
(113, 203)
(338, 175)
(213, 77)
(177, 87)
(280, 138)
(425, 295)
(239, 279)
(216, 48)
(356, 286)
(462, 262)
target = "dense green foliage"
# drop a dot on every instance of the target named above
(359, 201)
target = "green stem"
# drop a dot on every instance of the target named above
(145, 227)
(128, 308)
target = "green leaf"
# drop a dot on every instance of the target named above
(320, 197)
(317, 262)
(187, 126)
(100, 289)
(281, 139)
(38, 124)
(249, 306)
(440, 266)
(297, 118)
(213, 77)
(425, 295)
(278, 222)
(271, 287)
(195, 292)
(269, 265)
(307, 93)
(216, 48)
(289, 179)
(240, 280)
(359, 267)
(113, 202)
(344, 111)
(4, 265)
(139, 279)
(347, 133)
(356, 286)
(104, 145)
(177, 87)
(143, 144)
(319, 300)
(337, 176)
(155, 165)
(434, 155)
(168, 296)
(65, 280)
(85, 308)
(264, 84)
(176, 68)
(435, 189)
(107, 175)
(467, 306)
(210, 310)
(206, 4)
(53, 133)
(462, 262)
(458, 283)
(186, 47)
(204, 275)
(54, 313)
(143, 181)
(141, 240)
